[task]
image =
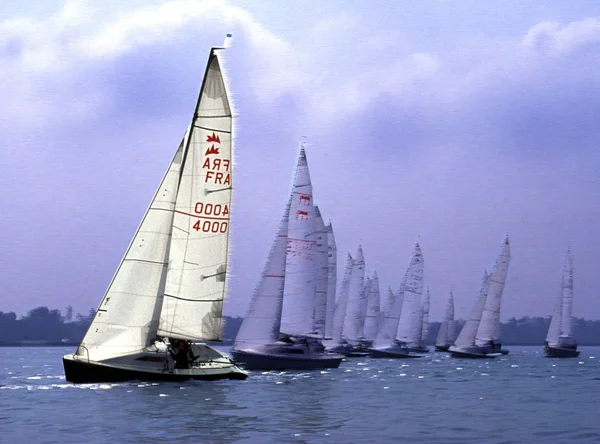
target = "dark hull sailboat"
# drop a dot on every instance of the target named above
(560, 351)
(256, 360)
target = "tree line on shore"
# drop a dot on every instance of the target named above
(44, 326)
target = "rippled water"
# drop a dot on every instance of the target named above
(521, 397)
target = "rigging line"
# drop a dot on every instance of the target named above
(191, 300)
(221, 189)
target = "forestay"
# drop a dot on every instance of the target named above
(300, 281)
(262, 322)
(198, 252)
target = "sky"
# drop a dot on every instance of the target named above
(447, 123)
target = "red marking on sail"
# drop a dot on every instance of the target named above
(212, 150)
(302, 215)
(214, 138)
(305, 198)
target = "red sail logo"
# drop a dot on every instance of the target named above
(212, 150)
(304, 198)
(301, 215)
(214, 138)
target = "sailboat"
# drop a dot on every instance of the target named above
(278, 330)
(486, 343)
(372, 316)
(559, 341)
(167, 293)
(424, 328)
(338, 344)
(401, 324)
(446, 335)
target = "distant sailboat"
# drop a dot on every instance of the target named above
(446, 334)
(560, 342)
(487, 337)
(337, 344)
(278, 331)
(405, 314)
(372, 317)
(168, 290)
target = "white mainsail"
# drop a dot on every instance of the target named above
(300, 282)
(196, 277)
(489, 327)
(466, 337)
(446, 333)
(356, 298)
(410, 318)
(322, 270)
(425, 316)
(373, 315)
(331, 281)
(388, 326)
(262, 321)
(342, 303)
(554, 329)
(567, 302)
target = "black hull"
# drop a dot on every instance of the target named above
(266, 361)
(420, 350)
(458, 353)
(392, 354)
(442, 348)
(554, 352)
(81, 372)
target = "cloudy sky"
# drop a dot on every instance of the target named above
(446, 123)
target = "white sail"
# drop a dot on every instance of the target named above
(425, 316)
(373, 315)
(356, 298)
(342, 303)
(389, 301)
(127, 317)
(331, 281)
(445, 336)
(366, 290)
(389, 323)
(263, 319)
(466, 337)
(489, 327)
(554, 329)
(198, 252)
(300, 281)
(410, 318)
(567, 302)
(322, 270)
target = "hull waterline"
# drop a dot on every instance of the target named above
(253, 360)
(81, 371)
(392, 353)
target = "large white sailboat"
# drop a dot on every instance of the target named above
(278, 330)
(446, 334)
(405, 314)
(167, 293)
(560, 342)
(487, 337)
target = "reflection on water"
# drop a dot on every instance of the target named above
(516, 398)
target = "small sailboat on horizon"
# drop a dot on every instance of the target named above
(560, 342)
(278, 332)
(166, 296)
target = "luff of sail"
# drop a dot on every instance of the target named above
(198, 252)
(373, 315)
(322, 270)
(356, 298)
(410, 318)
(342, 303)
(127, 317)
(466, 337)
(331, 280)
(300, 282)
(489, 327)
(263, 320)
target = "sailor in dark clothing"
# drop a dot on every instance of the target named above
(179, 352)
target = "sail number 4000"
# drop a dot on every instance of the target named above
(208, 226)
